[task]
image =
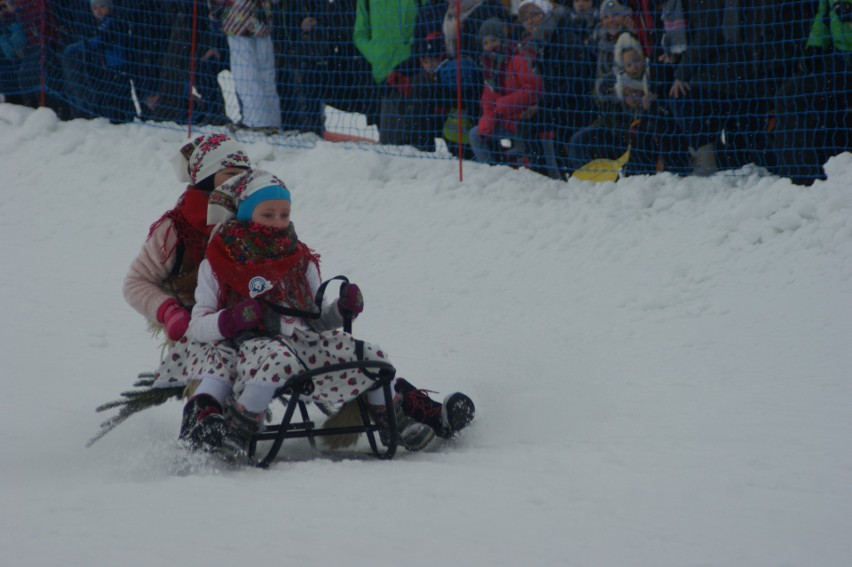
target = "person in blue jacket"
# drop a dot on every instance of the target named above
(95, 69)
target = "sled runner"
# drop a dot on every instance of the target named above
(302, 385)
(291, 395)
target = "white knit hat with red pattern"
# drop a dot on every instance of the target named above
(207, 155)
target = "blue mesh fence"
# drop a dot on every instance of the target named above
(580, 87)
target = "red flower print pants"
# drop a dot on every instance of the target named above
(264, 364)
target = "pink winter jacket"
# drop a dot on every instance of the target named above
(143, 285)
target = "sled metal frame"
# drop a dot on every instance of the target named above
(291, 395)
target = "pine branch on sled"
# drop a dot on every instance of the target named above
(134, 401)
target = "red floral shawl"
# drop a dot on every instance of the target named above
(250, 260)
(189, 221)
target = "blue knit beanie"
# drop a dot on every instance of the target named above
(268, 193)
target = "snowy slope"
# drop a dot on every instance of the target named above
(661, 366)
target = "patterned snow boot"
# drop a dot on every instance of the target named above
(203, 426)
(445, 419)
(241, 427)
(412, 435)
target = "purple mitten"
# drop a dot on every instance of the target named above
(241, 317)
(351, 302)
(174, 317)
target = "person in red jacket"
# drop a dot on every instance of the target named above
(511, 90)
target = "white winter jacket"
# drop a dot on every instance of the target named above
(204, 326)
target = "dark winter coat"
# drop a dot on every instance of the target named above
(567, 71)
(330, 39)
(734, 46)
(110, 43)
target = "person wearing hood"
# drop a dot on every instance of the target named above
(616, 28)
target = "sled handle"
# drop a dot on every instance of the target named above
(347, 319)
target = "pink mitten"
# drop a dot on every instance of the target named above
(174, 317)
(241, 317)
(351, 301)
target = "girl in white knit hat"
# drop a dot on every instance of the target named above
(160, 283)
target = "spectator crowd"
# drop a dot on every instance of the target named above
(686, 86)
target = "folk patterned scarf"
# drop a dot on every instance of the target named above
(189, 222)
(255, 261)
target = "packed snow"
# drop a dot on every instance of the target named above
(661, 365)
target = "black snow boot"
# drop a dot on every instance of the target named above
(203, 426)
(242, 426)
(445, 419)
(413, 436)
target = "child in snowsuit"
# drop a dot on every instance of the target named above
(160, 283)
(246, 350)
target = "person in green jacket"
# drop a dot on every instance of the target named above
(814, 109)
(384, 34)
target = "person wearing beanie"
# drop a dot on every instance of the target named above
(616, 27)
(210, 155)
(413, 112)
(511, 89)
(257, 321)
(493, 28)
(160, 283)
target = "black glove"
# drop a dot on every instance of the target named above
(271, 322)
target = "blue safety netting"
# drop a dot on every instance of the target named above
(685, 86)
